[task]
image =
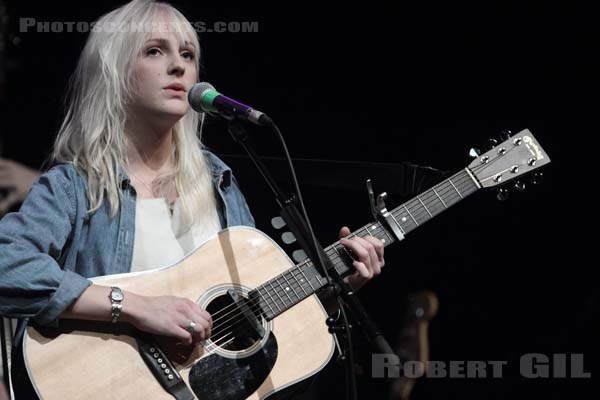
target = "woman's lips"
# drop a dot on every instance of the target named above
(175, 92)
(176, 86)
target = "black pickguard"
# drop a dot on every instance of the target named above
(220, 378)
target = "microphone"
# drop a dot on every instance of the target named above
(203, 97)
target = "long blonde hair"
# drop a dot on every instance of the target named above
(92, 135)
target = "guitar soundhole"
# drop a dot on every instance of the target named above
(237, 325)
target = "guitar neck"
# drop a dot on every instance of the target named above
(304, 279)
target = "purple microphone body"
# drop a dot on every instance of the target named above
(204, 98)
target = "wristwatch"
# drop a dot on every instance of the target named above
(116, 298)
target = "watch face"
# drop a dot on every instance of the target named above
(116, 295)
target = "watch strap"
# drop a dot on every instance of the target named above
(116, 298)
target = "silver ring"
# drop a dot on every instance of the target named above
(191, 327)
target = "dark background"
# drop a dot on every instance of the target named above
(389, 82)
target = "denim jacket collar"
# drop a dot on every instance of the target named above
(220, 172)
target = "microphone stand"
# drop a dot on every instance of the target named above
(298, 226)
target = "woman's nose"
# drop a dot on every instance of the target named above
(176, 67)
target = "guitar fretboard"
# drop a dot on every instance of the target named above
(291, 287)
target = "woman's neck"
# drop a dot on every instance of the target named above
(150, 149)
(150, 155)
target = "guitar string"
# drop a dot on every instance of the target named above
(299, 285)
(282, 293)
(295, 297)
(460, 180)
(232, 329)
(333, 250)
(287, 294)
(216, 330)
(362, 230)
(411, 204)
(365, 229)
(465, 178)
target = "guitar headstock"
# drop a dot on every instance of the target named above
(519, 155)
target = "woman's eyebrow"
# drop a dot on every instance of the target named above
(161, 41)
(165, 43)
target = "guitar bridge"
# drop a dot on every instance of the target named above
(163, 370)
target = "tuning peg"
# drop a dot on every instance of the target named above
(537, 178)
(503, 194)
(277, 222)
(299, 255)
(505, 134)
(288, 237)
(519, 185)
(474, 152)
(490, 144)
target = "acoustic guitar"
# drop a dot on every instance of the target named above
(269, 328)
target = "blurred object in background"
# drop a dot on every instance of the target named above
(403, 179)
(3, 392)
(7, 330)
(15, 178)
(15, 181)
(413, 343)
(3, 44)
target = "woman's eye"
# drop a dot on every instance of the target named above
(154, 51)
(188, 54)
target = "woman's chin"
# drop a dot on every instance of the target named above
(173, 113)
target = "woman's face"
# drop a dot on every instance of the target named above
(163, 74)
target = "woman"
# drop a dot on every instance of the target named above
(131, 178)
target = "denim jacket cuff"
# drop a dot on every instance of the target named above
(70, 288)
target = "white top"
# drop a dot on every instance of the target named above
(160, 238)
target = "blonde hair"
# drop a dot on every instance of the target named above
(92, 135)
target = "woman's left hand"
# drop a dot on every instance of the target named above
(369, 254)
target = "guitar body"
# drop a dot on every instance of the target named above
(89, 360)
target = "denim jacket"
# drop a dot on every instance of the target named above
(52, 245)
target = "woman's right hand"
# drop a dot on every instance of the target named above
(167, 316)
